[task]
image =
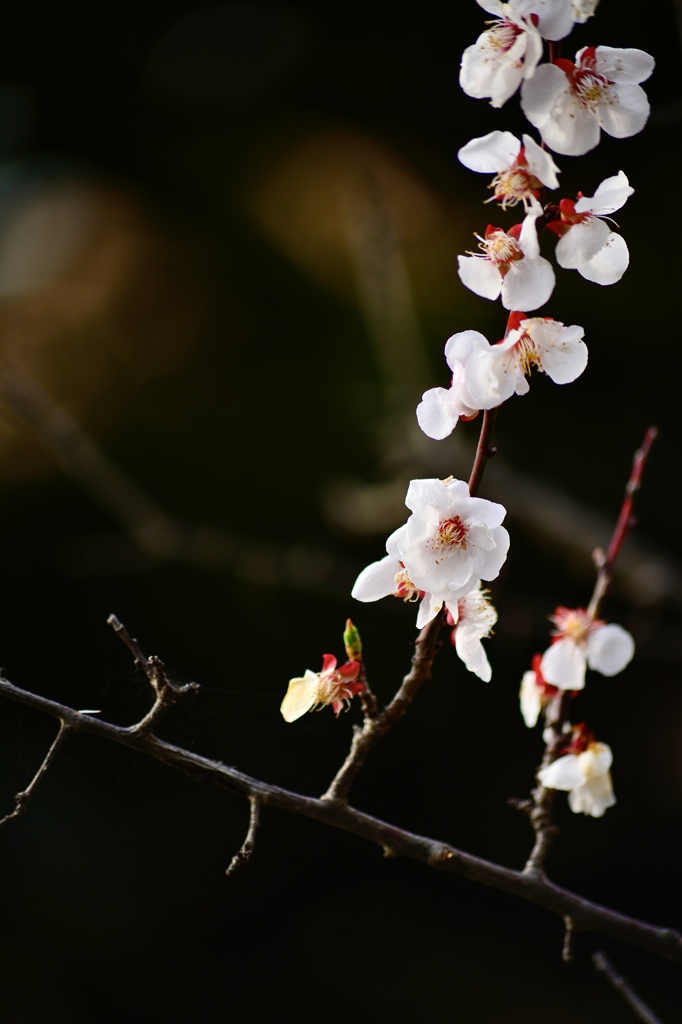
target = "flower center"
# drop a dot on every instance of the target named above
(512, 186)
(405, 588)
(451, 535)
(502, 35)
(574, 624)
(591, 89)
(501, 248)
(527, 354)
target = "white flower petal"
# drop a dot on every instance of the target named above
(563, 665)
(376, 580)
(528, 284)
(609, 649)
(625, 66)
(480, 275)
(593, 797)
(564, 773)
(540, 163)
(581, 242)
(609, 197)
(470, 649)
(529, 698)
(609, 264)
(627, 115)
(563, 352)
(490, 153)
(438, 412)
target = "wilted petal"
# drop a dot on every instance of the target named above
(300, 697)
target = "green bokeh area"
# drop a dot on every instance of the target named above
(228, 241)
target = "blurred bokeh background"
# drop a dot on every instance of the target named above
(228, 240)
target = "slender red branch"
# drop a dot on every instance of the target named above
(624, 522)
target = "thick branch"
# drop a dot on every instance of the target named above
(586, 915)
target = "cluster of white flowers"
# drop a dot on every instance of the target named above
(569, 102)
(580, 641)
(485, 375)
(453, 540)
(447, 546)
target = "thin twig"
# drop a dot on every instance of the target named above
(21, 800)
(395, 841)
(484, 451)
(166, 692)
(244, 852)
(624, 523)
(366, 737)
(622, 986)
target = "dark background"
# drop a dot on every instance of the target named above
(228, 240)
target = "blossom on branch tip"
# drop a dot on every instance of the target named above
(472, 618)
(316, 689)
(585, 773)
(494, 374)
(440, 409)
(520, 168)
(581, 642)
(510, 265)
(569, 103)
(449, 543)
(586, 243)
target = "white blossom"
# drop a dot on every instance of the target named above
(440, 409)
(510, 265)
(473, 618)
(494, 374)
(580, 643)
(502, 56)
(586, 243)
(520, 168)
(569, 103)
(586, 776)
(449, 543)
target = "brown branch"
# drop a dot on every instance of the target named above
(395, 841)
(244, 852)
(366, 737)
(603, 966)
(21, 800)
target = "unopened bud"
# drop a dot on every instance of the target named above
(352, 642)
